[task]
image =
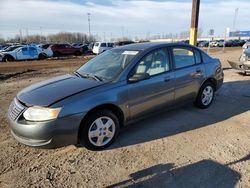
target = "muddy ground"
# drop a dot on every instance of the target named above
(186, 147)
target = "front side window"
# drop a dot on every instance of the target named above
(109, 64)
(183, 57)
(154, 63)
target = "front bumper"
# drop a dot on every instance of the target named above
(50, 134)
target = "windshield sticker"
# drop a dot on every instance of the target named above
(130, 52)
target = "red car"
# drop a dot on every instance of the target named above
(65, 49)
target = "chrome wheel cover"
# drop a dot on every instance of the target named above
(207, 95)
(101, 131)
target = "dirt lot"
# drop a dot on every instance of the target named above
(186, 147)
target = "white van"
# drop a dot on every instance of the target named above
(100, 47)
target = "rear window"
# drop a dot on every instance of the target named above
(96, 44)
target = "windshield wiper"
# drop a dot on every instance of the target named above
(87, 75)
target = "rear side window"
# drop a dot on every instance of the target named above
(96, 44)
(183, 57)
(32, 51)
(103, 45)
(197, 56)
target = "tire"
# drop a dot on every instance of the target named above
(200, 101)
(77, 53)
(95, 137)
(42, 56)
(56, 54)
(8, 58)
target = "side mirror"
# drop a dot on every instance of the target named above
(139, 77)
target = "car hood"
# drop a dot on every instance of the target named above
(50, 91)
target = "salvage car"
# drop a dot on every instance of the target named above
(65, 49)
(22, 53)
(112, 90)
(46, 49)
(243, 63)
(100, 47)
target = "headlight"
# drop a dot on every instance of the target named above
(41, 113)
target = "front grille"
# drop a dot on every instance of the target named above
(15, 109)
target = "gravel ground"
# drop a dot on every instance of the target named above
(186, 147)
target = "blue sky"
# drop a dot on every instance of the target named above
(114, 18)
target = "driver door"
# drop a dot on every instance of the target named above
(156, 92)
(22, 54)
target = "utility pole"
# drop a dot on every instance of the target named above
(27, 35)
(41, 33)
(235, 17)
(194, 22)
(89, 24)
(21, 35)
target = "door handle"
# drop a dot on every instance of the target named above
(198, 70)
(167, 79)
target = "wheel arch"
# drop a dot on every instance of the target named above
(8, 55)
(211, 80)
(108, 106)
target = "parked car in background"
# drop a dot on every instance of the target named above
(203, 44)
(10, 48)
(4, 46)
(65, 49)
(91, 46)
(111, 90)
(21, 53)
(122, 43)
(46, 50)
(213, 43)
(100, 47)
(85, 48)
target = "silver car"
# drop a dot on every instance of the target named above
(113, 89)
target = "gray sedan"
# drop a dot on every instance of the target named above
(110, 91)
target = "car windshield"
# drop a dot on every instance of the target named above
(11, 48)
(108, 65)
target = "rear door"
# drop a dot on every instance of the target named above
(189, 72)
(33, 53)
(156, 92)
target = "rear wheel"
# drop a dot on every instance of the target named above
(99, 130)
(205, 96)
(42, 56)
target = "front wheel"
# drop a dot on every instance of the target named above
(99, 130)
(205, 96)
(8, 59)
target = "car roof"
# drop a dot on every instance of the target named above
(149, 45)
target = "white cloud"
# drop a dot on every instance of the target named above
(135, 17)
